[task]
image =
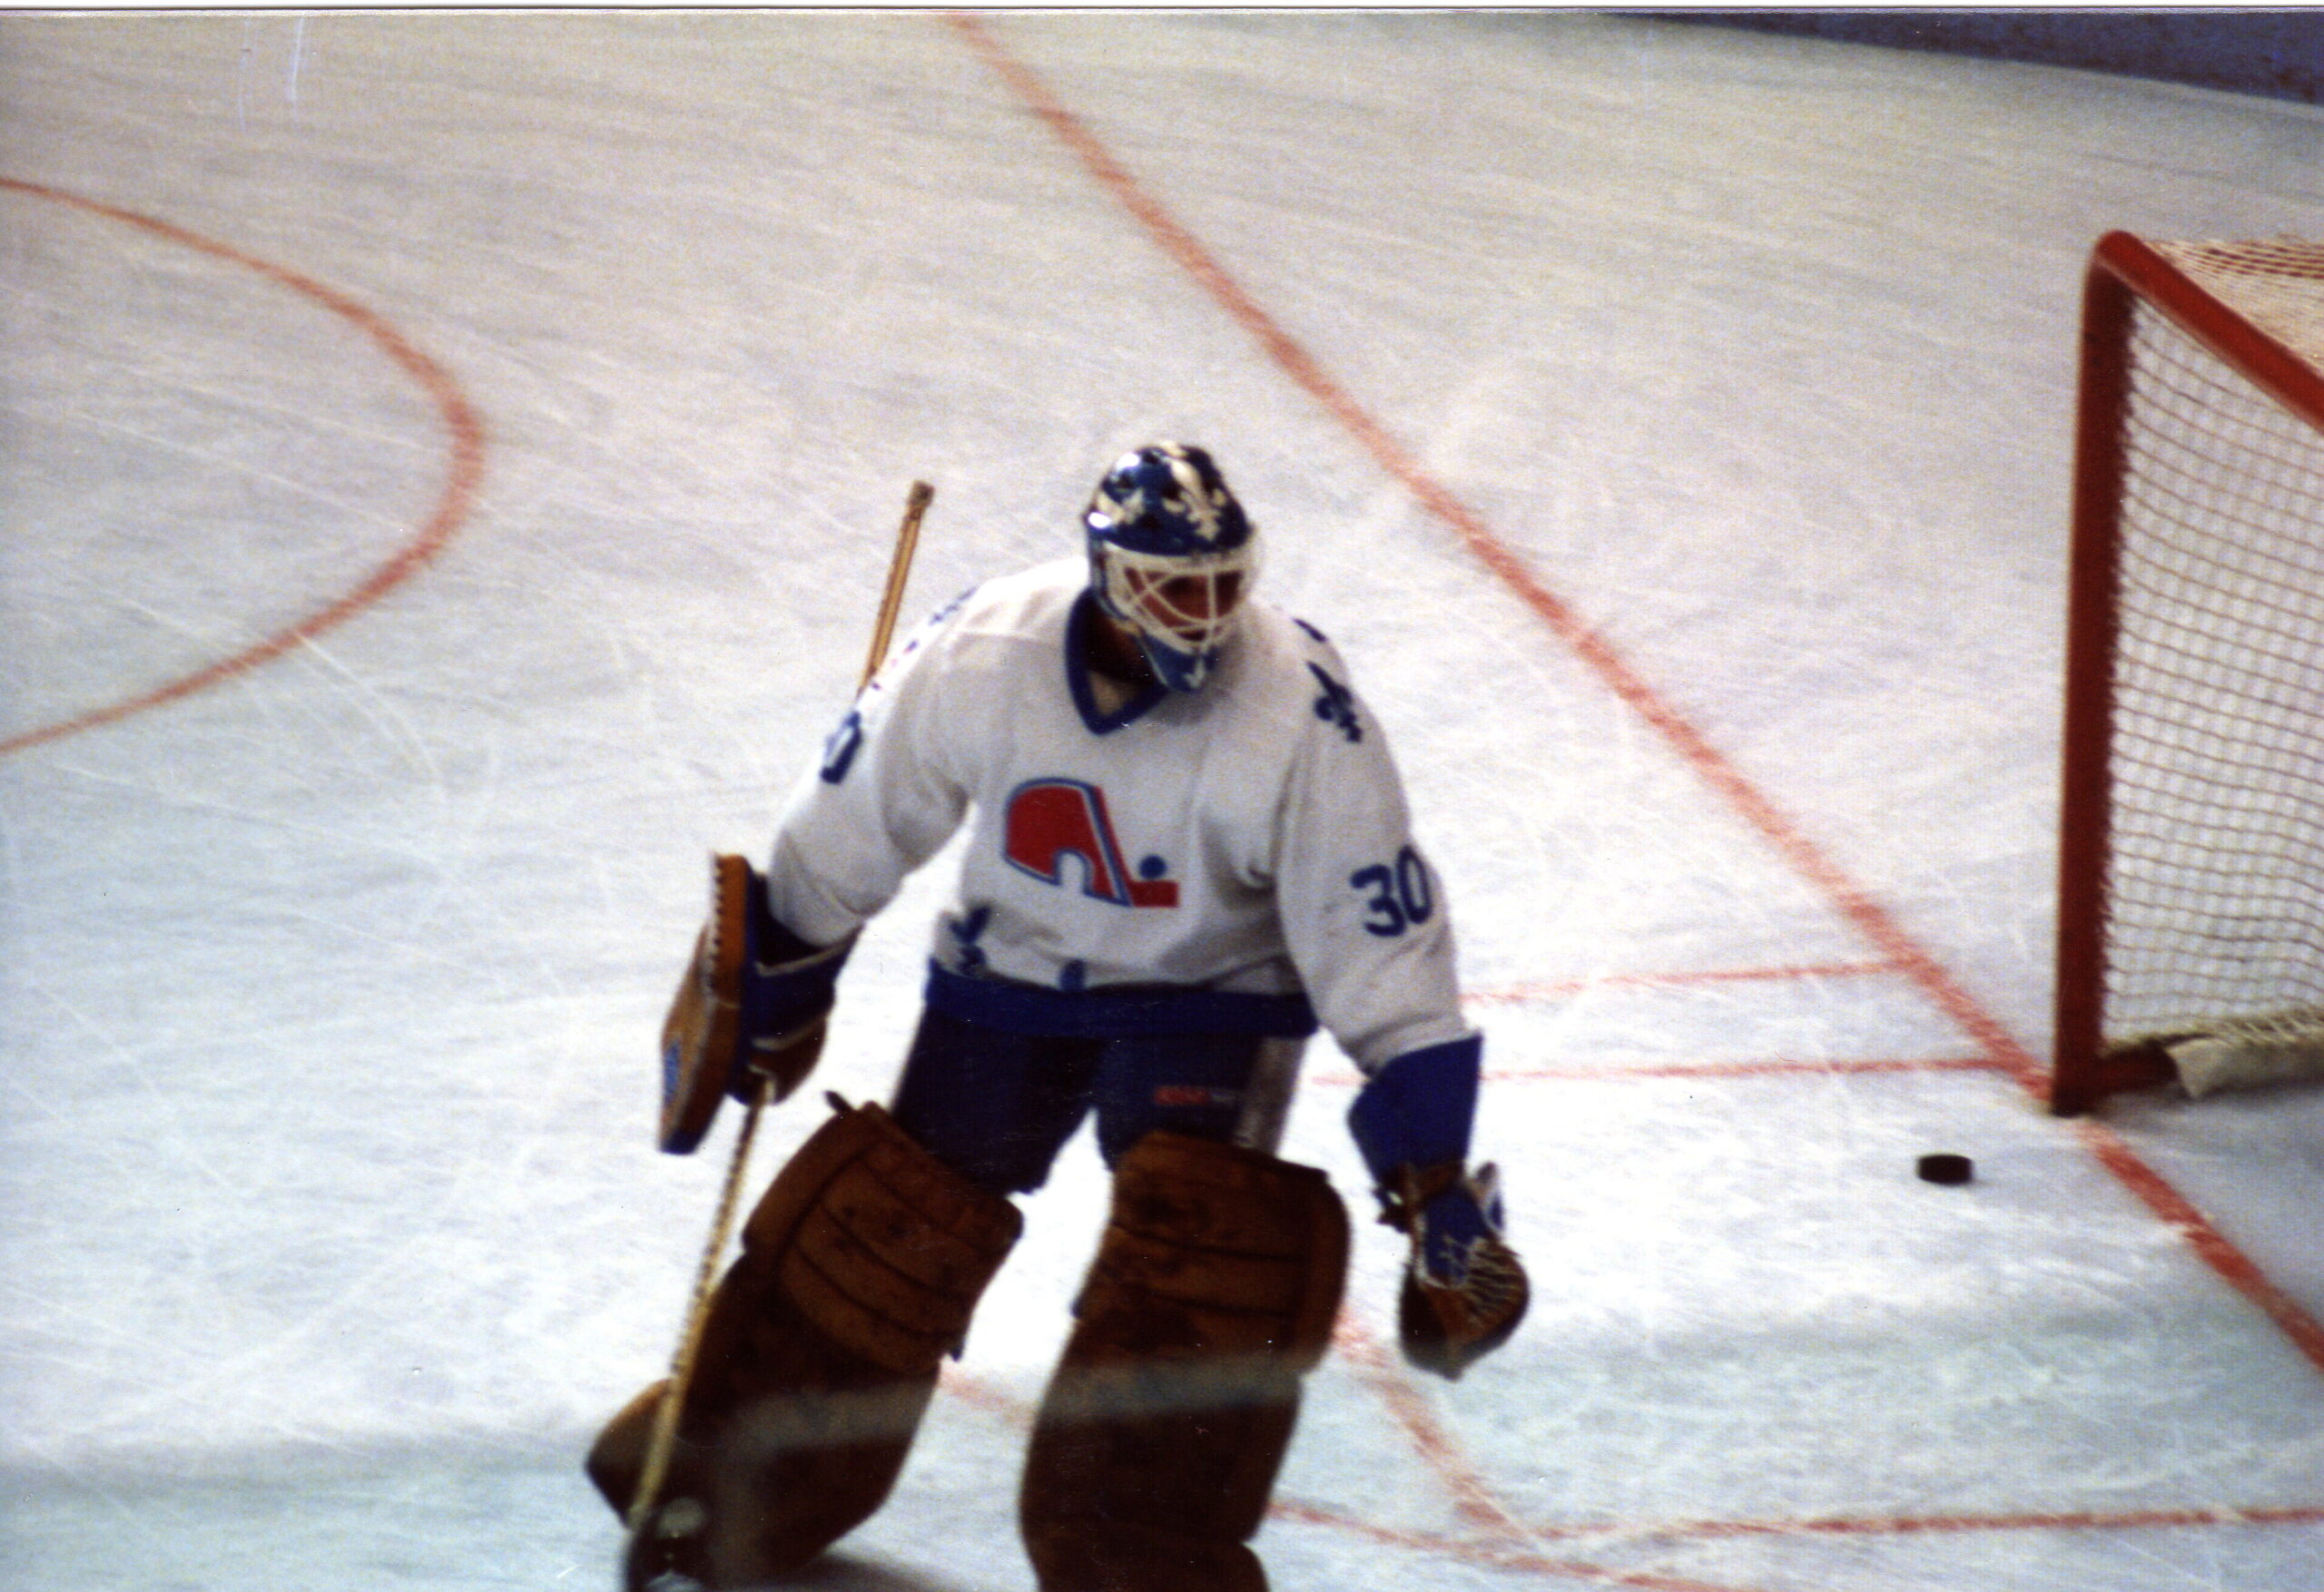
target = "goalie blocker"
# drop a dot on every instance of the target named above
(753, 1006)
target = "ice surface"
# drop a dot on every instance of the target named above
(330, 1216)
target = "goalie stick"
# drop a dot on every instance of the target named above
(681, 1363)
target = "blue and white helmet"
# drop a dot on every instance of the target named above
(1171, 557)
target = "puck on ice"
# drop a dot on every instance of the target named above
(1947, 1169)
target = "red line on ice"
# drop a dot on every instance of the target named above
(1565, 988)
(1472, 1500)
(1510, 1545)
(1851, 899)
(1760, 1067)
(1772, 1067)
(2067, 1520)
(1493, 1555)
(452, 506)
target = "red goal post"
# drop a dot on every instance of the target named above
(2190, 905)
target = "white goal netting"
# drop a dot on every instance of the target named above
(2214, 877)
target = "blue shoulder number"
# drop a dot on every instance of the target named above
(1399, 897)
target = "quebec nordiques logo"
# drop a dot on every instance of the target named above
(1050, 822)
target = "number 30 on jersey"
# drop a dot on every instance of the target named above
(1396, 894)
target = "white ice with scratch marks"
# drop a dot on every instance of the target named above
(330, 1219)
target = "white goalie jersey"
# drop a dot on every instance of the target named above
(1249, 838)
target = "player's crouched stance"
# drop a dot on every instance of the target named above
(1189, 846)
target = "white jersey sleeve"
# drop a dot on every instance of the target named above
(881, 799)
(1364, 915)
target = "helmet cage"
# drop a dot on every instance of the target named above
(1182, 608)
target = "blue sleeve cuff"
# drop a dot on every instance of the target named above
(787, 983)
(771, 943)
(1416, 1111)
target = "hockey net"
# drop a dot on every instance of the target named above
(2191, 934)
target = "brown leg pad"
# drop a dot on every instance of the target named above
(1156, 1446)
(860, 1269)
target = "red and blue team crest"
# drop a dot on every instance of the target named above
(1050, 820)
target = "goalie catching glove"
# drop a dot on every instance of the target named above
(753, 1004)
(1464, 1289)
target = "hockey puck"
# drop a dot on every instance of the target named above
(1946, 1169)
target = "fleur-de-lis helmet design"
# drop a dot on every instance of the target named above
(1171, 557)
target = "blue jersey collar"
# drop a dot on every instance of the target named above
(1076, 676)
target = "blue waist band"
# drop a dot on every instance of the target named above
(1118, 1012)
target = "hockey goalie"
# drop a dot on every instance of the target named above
(1188, 850)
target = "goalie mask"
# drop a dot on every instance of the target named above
(1171, 558)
